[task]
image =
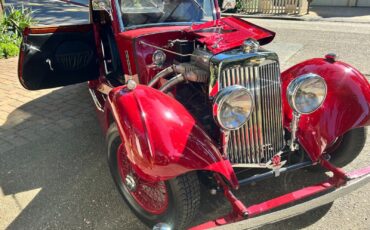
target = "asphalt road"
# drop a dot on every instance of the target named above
(67, 180)
(54, 12)
(297, 41)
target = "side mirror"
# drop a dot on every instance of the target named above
(228, 4)
(102, 5)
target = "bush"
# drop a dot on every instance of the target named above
(16, 20)
(8, 50)
(11, 27)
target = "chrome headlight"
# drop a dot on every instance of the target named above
(307, 93)
(232, 107)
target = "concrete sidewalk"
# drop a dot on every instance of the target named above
(321, 13)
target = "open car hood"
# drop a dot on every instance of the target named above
(228, 33)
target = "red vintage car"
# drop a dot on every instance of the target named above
(188, 98)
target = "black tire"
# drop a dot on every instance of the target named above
(183, 192)
(347, 148)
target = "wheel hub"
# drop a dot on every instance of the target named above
(130, 183)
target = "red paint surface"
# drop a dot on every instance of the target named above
(138, 56)
(56, 29)
(346, 106)
(162, 138)
(228, 33)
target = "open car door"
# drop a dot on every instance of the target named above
(57, 56)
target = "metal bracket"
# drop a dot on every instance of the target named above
(239, 210)
(294, 127)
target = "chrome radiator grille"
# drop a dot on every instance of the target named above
(262, 137)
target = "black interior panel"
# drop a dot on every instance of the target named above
(59, 59)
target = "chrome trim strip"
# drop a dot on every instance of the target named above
(250, 165)
(119, 15)
(301, 208)
(96, 101)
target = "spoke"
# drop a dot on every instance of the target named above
(152, 197)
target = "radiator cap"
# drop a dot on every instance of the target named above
(250, 45)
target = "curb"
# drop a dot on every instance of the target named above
(74, 3)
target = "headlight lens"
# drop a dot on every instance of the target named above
(233, 107)
(159, 58)
(307, 93)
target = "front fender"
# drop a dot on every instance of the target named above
(346, 106)
(162, 138)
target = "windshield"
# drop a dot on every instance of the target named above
(141, 13)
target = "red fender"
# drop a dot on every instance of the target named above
(162, 138)
(346, 106)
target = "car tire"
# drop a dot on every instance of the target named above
(346, 148)
(183, 192)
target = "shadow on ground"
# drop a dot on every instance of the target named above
(69, 165)
(216, 206)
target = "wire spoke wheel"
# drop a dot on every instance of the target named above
(152, 197)
(174, 202)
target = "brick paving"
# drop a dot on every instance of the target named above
(26, 116)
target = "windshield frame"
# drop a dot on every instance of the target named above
(123, 28)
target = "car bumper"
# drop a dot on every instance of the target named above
(315, 196)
